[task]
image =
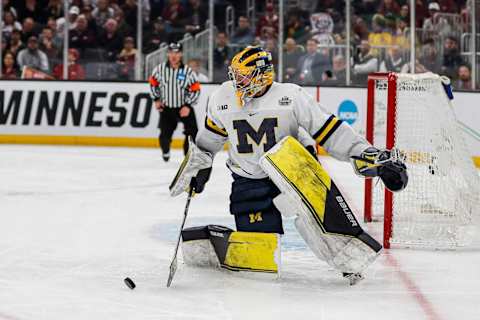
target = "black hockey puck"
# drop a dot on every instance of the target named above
(129, 282)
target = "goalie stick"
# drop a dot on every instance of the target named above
(173, 264)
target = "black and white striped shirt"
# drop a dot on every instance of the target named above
(174, 87)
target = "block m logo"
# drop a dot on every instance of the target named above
(255, 217)
(245, 130)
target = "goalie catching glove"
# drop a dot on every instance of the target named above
(194, 171)
(386, 164)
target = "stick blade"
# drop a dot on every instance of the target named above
(173, 270)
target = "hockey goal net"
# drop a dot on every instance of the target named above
(413, 113)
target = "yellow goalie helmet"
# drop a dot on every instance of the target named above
(251, 71)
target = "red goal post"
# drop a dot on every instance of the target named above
(391, 79)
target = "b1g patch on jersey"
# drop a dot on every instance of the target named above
(285, 101)
(222, 107)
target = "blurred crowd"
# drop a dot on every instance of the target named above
(102, 37)
(102, 34)
(314, 46)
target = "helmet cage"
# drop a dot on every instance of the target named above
(249, 85)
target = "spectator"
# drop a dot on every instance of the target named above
(124, 29)
(126, 59)
(290, 59)
(421, 12)
(400, 37)
(30, 9)
(129, 10)
(312, 64)
(268, 23)
(379, 37)
(52, 23)
(196, 16)
(173, 13)
(9, 69)
(54, 9)
(243, 35)
(338, 18)
(394, 61)
(405, 13)
(449, 6)
(390, 23)
(364, 63)
(33, 57)
(221, 57)
(47, 43)
(75, 70)
(82, 37)
(429, 58)
(9, 24)
(271, 46)
(91, 22)
(29, 29)
(434, 23)
(366, 8)
(7, 5)
(330, 5)
(389, 8)
(402, 23)
(110, 39)
(15, 44)
(360, 30)
(451, 57)
(72, 19)
(338, 74)
(464, 78)
(267, 35)
(194, 64)
(156, 8)
(157, 36)
(57, 38)
(102, 12)
(296, 28)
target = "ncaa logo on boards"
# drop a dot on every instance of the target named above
(348, 111)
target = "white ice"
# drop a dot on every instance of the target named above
(75, 221)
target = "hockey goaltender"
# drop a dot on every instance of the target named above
(272, 129)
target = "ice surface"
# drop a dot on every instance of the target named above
(75, 221)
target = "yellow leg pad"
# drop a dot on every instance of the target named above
(304, 173)
(324, 219)
(253, 251)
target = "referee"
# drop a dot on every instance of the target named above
(174, 89)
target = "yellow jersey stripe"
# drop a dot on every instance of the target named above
(327, 130)
(210, 125)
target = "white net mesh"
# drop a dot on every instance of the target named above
(436, 208)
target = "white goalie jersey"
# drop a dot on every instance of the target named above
(283, 110)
